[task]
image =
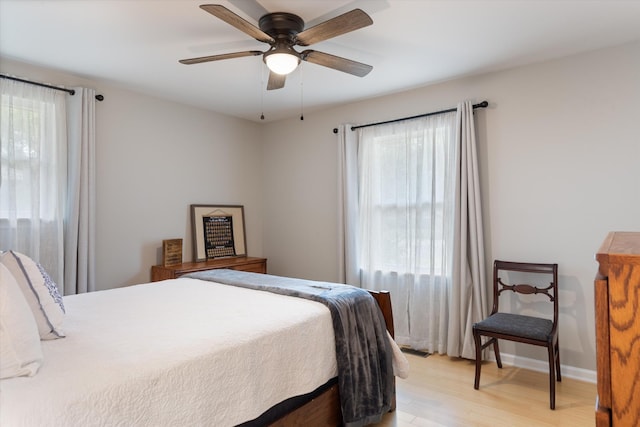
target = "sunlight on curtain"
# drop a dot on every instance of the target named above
(406, 222)
(33, 170)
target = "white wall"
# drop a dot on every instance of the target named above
(153, 159)
(559, 151)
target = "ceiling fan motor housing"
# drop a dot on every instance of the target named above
(281, 25)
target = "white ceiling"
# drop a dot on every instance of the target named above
(136, 44)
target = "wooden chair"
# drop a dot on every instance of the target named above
(518, 327)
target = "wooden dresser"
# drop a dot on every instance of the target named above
(256, 265)
(617, 305)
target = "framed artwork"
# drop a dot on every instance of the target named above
(218, 231)
(171, 252)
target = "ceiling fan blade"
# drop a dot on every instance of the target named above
(336, 62)
(210, 58)
(242, 24)
(341, 24)
(276, 81)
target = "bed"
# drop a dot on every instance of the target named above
(212, 349)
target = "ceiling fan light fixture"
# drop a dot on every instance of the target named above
(281, 60)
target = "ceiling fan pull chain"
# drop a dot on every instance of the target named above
(301, 94)
(261, 92)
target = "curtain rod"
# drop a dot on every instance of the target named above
(69, 91)
(483, 104)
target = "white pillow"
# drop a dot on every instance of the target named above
(40, 292)
(20, 349)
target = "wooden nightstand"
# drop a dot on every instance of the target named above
(255, 265)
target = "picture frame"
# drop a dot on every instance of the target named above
(171, 252)
(218, 231)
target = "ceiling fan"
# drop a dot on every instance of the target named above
(282, 31)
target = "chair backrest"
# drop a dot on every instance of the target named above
(550, 290)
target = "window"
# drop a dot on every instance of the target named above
(28, 156)
(406, 181)
(411, 217)
(33, 172)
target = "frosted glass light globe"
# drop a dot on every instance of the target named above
(281, 63)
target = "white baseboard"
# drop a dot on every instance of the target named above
(543, 366)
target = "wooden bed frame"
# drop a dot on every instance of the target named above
(324, 410)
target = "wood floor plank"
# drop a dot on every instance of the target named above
(439, 393)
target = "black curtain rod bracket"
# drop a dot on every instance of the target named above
(483, 104)
(69, 91)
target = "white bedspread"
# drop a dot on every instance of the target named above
(174, 353)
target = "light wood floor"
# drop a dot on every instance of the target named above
(439, 392)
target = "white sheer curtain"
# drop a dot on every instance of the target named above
(47, 187)
(33, 173)
(403, 214)
(79, 269)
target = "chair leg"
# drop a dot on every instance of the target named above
(476, 339)
(552, 375)
(496, 351)
(558, 375)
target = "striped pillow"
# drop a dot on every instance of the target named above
(40, 292)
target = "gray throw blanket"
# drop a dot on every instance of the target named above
(363, 353)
